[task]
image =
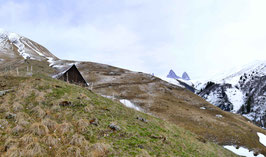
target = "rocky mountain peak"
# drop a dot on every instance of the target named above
(173, 75)
(185, 76)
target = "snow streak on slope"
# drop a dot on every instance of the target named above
(236, 97)
(262, 138)
(129, 104)
(172, 81)
(242, 151)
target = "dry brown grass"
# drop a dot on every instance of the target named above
(3, 108)
(22, 119)
(17, 107)
(73, 151)
(70, 151)
(82, 125)
(13, 152)
(55, 109)
(39, 112)
(50, 124)
(88, 108)
(39, 129)
(78, 140)
(99, 150)
(10, 143)
(18, 129)
(3, 123)
(27, 139)
(51, 140)
(34, 149)
(64, 128)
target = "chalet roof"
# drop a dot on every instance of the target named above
(63, 71)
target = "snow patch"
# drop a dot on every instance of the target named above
(129, 104)
(50, 60)
(262, 138)
(219, 116)
(34, 49)
(106, 96)
(203, 108)
(236, 97)
(212, 97)
(242, 151)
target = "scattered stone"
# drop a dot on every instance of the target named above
(4, 92)
(65, 103)
(94, 121)
(141, 146)
(201, 139)
(158, 137)
(219, 116)
(10, 115)
(114, 127)
(142, 119)
(57, 86)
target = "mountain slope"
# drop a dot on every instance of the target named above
(172, 103)
(159, 98)
(46, 117)
(241, 92)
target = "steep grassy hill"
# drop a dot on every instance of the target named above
(41, 116)
(172, 103)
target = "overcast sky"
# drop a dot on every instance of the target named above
(201, 37)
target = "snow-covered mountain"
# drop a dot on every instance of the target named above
(14, 46)
(242, 92)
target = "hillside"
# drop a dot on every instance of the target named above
(176, 105)
(45, 117)
(240, 92)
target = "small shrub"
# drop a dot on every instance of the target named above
(34, 149)
(50, 140)
(82, 125)
(39, 129)
(39, 112)
(65, 128)
(18, 129)
(99, 150)
(3, 123)
(10, 143)
(13, 152)
(27, 139)
(78, 140)
(50, 124)
(17, 107)
(55, 108)
(73, 151)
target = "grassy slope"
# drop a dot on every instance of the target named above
(32, 123)
(176, 105)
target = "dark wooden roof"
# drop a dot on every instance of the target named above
(72, 75)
